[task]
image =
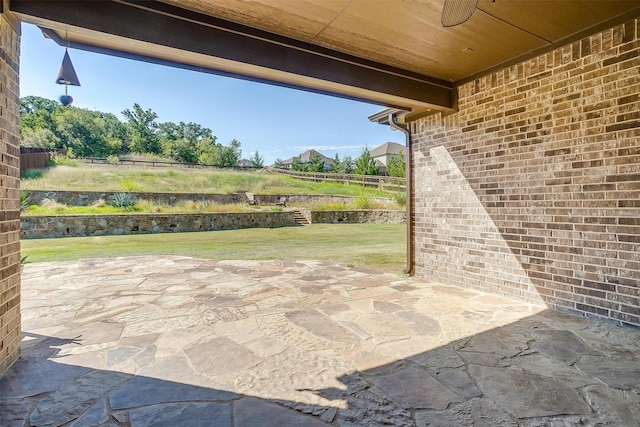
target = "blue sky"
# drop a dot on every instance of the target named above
(278, 122)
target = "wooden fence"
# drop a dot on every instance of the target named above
(384, 183)
(35, 158)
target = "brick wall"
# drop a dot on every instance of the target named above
(532, 189)
(9, 195)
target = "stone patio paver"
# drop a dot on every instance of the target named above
(179, 341)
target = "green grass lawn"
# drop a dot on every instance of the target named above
(376, 246)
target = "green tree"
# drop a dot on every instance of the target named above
(87, 133)
(33, 104)
(396, 165)
(38, 138)
(38, 113)
(212, 153)
(231, 154)
(46, 123)
(181, 150)
(278, 163)
(298, 165)
(342, 166)
(115, 132)
(335, 167)
(142, 130)
(257, 161)
(347, 164)
(209, 152)
(365, 164)
(180, 141)
(316, 163)
(93, 133)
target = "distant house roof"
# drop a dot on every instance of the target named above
(388, 148)
(306, 157)
(383, 153)
(244, 163)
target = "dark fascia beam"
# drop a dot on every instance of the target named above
(165, 25)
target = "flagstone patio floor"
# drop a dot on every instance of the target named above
(176, 341)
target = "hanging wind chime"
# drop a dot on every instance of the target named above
(67, 77)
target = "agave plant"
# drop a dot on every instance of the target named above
(124, 201)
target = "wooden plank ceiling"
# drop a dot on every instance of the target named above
(392, 52)
(409, 34)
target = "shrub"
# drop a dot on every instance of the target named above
(32, 174)
(113, 160)
(124, 201)
(129, 185)
(56, 159)
(24, 199)
(144, 205)
(52, 204)
(401, 198)
(362, 202)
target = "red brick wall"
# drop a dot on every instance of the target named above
(9, 195)
(532, 189)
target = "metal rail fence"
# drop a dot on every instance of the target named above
(158, 163)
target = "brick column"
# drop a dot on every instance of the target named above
(9, 192)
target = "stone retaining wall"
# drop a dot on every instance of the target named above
(51, 226)
(359, 217)
(48, 226)
(87, 198)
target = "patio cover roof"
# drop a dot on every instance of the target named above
(395, 53)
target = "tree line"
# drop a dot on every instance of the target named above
(365, 164)
(45, 123)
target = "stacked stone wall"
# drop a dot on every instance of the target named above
(9, 194)
(51, 226)
(369, 216)
(87, 198)
(532, 189)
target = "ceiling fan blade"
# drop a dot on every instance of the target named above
(455, 12)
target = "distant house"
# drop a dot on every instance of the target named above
(244, 163)
(384, 152)
(306, 158)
